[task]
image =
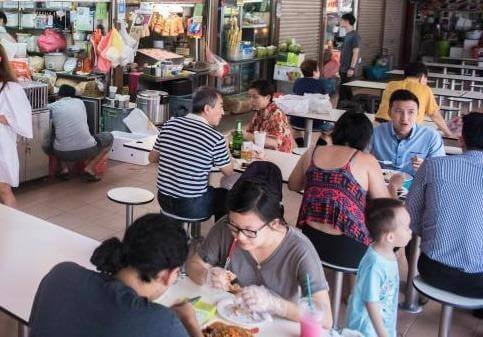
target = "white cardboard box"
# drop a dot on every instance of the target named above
(125, 154)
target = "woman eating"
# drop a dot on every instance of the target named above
(15, 120)
(336, 180)
(253, 248)
(268, 118)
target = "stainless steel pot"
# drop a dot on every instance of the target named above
(154, 104)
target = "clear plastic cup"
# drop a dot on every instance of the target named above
(311, 318)
(259, 139)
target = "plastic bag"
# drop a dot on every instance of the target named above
(102, 63)
(50, 41)
(293, 104)
(113, 50)
(21, 68)
(219, 67)
(318, 103)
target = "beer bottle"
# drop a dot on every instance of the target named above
(237, 140)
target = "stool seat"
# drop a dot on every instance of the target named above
(130, 195)
(446, 297)
(176, 217)
(345, 270)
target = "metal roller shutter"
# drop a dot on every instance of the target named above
(301, 19)
(393, 28)
(370, 27)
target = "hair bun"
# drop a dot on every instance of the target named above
(110, 256)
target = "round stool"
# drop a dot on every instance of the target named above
(192, 225)
(448, 301)
(130, 196)
(339, 272)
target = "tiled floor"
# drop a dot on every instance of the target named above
(84, 208)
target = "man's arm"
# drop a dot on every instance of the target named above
(153, 156)
(355, 58)
(441, 123)
(227, 170)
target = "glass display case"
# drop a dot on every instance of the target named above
(334, 34)
(244, 35)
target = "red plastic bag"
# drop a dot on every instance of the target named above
(219, 67)
(51, 41)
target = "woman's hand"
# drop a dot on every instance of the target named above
(260, 299)
(3, 120)
(219, 278)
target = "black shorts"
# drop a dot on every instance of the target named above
(104, 141)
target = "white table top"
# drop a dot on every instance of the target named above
(29, 248)
(333, 116)
(454, 66)
(382, 86)
(186, 288)
(445, 76)
(130, 195)
(465, 59)
(473, 95)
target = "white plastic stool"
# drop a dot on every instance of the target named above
(339, 272)
(448, 301)
(130, 196)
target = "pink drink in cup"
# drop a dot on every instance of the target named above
(310, 319)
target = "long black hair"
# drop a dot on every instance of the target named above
(151, 244)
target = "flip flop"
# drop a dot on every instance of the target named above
(63, 175)
(90, 177)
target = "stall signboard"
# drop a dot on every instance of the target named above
(332, 6)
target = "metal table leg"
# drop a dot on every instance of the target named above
(410, 303)
(129, 215)
(23, 330)
(308, 131)
(445, 320)
(336, 299)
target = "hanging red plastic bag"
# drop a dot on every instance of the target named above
(103, 64)
(51, 41)
(219, 67)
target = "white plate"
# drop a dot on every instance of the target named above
(389, 173)
(225, 311)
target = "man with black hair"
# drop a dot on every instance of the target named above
(446, 207)
(3, 32)
(401, 141)
(186, 149)
(70, 139)
(350, 55)
(416, 79)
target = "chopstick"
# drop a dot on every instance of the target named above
(194, 299)
(230, 252)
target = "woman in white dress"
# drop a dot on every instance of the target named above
(15, 119)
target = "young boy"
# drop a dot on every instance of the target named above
(373, 304)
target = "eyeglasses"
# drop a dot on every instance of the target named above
(249, 233)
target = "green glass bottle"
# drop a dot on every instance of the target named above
(237, 140)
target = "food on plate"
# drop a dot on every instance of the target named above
(388, 174)
(234, 286)
(219, 329)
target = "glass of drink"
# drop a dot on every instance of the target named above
(247, 152)
(311, 316)
(259, 139)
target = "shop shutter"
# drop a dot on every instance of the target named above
(393, 28)
(370, 27)
(301, 19)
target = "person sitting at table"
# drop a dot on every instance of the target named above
(336, 180)
(70, 139)
(416, 79)
(254, 253)
(186, 149)
(311, 83)
(268, 117)
(401, 141)
(445, 202)
(118, 300)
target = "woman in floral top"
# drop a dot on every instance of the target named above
(268, 117)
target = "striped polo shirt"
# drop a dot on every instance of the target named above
(446, 207)
(188, 149)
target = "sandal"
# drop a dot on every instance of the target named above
(90, 177)
(63, 175)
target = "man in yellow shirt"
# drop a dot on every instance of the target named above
(416, 77)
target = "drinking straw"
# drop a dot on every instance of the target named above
(309, 292)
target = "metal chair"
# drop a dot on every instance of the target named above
(448, 301)
(339, 272)
(130, 196)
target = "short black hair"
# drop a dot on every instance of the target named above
(402, 95)
(204, 96)
(380, 216)
(349, 17)
(3, 17)
(151, 244)
(66, 90)
(263, 87)
(472, 132)
(415, 69)
(308, 67)
(352, 129)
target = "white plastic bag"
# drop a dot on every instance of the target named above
(319, 103)
(293, 104)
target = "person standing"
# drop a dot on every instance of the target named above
(350, 55)
(15, 120)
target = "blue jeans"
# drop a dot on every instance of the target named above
(210, 203)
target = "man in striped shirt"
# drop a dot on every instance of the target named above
(446, 207)
(186, 149)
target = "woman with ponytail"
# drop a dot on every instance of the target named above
(117, 300)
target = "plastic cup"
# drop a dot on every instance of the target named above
(247, 152)
(311, 318)
(112, 92)
(259, 138)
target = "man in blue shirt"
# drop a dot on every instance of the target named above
(446, 207)
(311, 83)
(401, 141)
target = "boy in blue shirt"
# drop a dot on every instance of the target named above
(311, 83)
(372, 308)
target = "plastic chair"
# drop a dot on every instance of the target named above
(339, 272)
(448, 301)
